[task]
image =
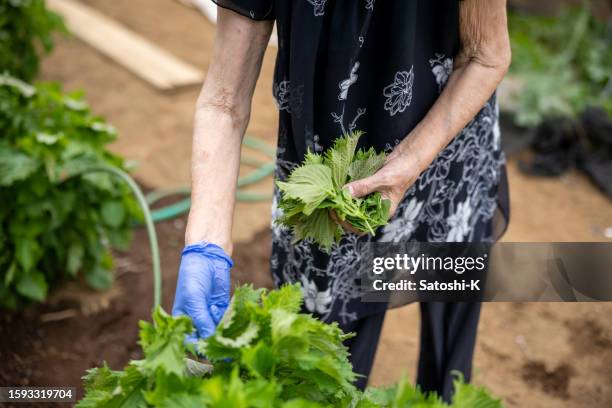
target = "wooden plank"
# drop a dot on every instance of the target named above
(134, 52)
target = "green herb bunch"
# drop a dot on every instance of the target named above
(315, 188)
(265, 354)
(563, 63)
(26, 28)
(53, 227)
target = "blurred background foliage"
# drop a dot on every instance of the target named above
(563, 63)
(26, 31)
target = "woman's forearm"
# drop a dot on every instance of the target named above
(478, 70)
(221, 118)
(480, 66)
(215, 164)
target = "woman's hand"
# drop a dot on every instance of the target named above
(203, 287)
(479, 67)
(398, 174)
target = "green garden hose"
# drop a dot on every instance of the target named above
(263, 170)
(148, 220)
(173, 210)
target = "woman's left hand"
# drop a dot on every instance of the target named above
(479, 67)
(399, 172)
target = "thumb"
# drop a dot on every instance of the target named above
(363, 187)
(217, 311)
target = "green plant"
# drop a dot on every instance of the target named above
(563, 63)
(315, 188)
(52, 226)
(26, 28)
(265, 355)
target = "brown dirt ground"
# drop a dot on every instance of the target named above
(533, 355)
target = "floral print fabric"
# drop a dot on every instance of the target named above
(376, 66)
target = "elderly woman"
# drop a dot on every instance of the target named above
(419, 77)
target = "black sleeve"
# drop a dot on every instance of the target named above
(253, 9)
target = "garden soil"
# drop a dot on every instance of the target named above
(531, 354)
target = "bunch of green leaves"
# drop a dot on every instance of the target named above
(315, 188)
(563, 63)
(26, 28)
(264, 337)
(404, 395)
(53, 227)
(264, 354)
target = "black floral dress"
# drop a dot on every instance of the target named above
(376, 66)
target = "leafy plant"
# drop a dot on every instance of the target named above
(563, 62)
(264, 353)
(53, 227)
(315, 188)
(26, 28)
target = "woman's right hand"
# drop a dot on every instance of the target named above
(203, 287)
(221, 118)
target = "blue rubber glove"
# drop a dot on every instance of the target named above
(203, 287)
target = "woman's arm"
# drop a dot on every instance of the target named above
(478, 69)
(221, 117)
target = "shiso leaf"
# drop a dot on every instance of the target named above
(366, 163)
(293, 361)
(310, 184)
(316, 188)
(162, 342)
(340, 157)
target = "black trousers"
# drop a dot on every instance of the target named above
(448, 337)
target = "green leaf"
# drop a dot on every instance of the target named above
(102, 379)
(27, 252)
(162, 343)
(32, 285)
(15, 166)
(468, 396)
(259, 360)
(311, 184)
(320, 227)
(366, 164)
(11, 272)
(340, 157)
(287, 297)
(121, 238)
(99, 278)
(74, 261)
(313, 158)
(113, 213)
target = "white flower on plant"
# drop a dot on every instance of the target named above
(459, 222)
(404, 225)
(399, 93)
(315, 300)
